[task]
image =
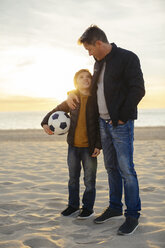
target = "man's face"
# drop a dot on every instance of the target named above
(94, 50)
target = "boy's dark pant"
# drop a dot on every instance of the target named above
(76, 155)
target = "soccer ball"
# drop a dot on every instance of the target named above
(59, 122)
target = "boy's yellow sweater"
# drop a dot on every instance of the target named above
(81, 138)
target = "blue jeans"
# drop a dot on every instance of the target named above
(117, 144)
(76, 156)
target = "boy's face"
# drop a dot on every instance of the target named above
(84, 81)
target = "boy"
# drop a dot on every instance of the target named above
(84, 145)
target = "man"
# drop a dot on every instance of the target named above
(119, 86)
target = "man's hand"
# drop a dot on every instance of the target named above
(72, 100)
(119, 122)
(47, 129)
(96, 152)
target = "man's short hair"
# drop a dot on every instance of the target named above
(91, 35)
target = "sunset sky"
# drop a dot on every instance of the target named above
(39, 53)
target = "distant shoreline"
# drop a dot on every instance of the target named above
(141, 133)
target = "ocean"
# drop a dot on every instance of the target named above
(32, 120)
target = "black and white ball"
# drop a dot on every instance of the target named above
(59, 122)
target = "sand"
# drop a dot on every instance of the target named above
(33, 191)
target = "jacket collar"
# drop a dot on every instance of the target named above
(109, 55)
(99, 64)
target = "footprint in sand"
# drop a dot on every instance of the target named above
(40, 242)
(100, 187)
(12, 206)
(148, 189)
(6, 183)
(56, 204)
(93, 240)
(10, 229)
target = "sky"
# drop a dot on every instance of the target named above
(39, 54)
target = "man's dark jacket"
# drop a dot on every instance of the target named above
(91, 121)
(123, 83)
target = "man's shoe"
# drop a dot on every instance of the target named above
(69, 211)
(108, 214)
(129, 226)
(85, 214)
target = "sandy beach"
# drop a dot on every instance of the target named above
(33, 192)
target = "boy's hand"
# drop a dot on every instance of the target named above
(47, 129)
(96, 152)
(72, 100)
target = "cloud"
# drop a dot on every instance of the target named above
(61, 23)
(47, 25)
(25, 63)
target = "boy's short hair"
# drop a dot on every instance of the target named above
(91, 35)
(77, 73)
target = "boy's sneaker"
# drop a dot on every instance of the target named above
(69, 211)
(108, 214)
(85, 214)
(129, 226)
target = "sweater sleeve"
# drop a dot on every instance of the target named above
(61, 107)
(135, 86)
